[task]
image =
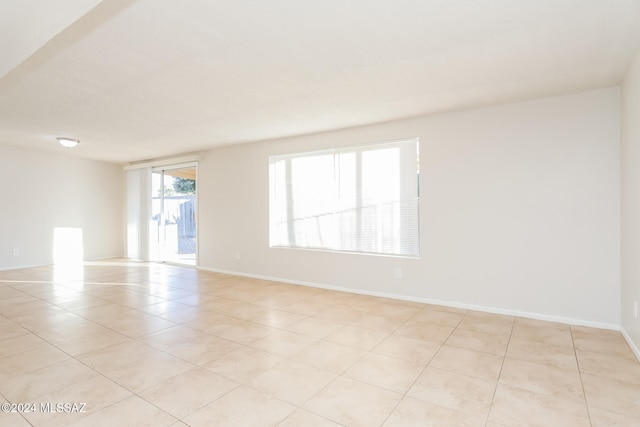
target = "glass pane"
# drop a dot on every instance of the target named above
(359, 199)
(174, 215)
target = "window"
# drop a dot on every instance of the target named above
(361, 199)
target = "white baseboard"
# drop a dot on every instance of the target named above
(486, 309)
(633, 345)
(106, 258)
(20, 267)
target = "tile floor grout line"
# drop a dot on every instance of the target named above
(584, 392)
(98, 373)
(117, 301)
(410, 386)
(504, 358)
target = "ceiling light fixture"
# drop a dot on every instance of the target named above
(68, 142)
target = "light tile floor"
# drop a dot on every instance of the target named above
(159, 345)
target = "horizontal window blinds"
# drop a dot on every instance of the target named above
(355, 199)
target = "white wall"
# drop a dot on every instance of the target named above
(42, 191)
(631, 203)
(520, 211)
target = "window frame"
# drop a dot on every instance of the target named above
(407, 235)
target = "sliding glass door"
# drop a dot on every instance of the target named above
(173, 210)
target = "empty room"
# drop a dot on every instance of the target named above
(303, 213)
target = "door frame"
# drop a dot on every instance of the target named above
(162, 169)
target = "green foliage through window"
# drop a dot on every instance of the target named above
(184, 185)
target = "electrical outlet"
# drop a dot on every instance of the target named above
(398, 273)
(238, 255)
(635, 309)
(16, 252)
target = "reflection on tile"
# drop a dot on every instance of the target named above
(276, 318)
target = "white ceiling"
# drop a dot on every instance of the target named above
(143, 79)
